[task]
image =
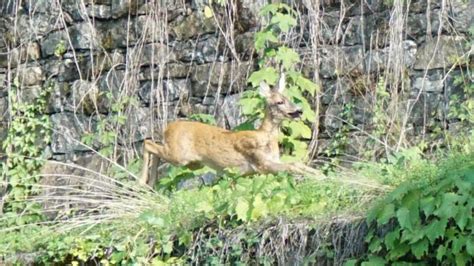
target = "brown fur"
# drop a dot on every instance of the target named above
(194, 144)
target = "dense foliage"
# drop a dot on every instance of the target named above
(428, 219)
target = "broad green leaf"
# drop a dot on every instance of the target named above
(288, 57)
(387, 212)
(204, 206)
(261, 39)
(470, 245)
(269, 9)
(241, 209)
(259, 208)
(374, 261)
(399, 251)
(447, 210)
(427, 204)
(441, 252)
(403, 217)
(299, 130)
(269, 75)
(306, 84)
(208, 13)
(458, 244)
(420, 248)
(391, 239)
(151, 218)
(284, 21)
(250, 105)
(435, 229)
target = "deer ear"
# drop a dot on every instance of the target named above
(264, 89)
(282, 83)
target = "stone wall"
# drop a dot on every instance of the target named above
(177, 62)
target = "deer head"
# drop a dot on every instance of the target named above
(279, 106)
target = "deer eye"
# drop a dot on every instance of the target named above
(280, 102)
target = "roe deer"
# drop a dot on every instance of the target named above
(195, 144)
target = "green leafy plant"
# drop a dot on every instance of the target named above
(28, 134)
(339, 140)
(429, 220)
(106, 133)
(281, 19)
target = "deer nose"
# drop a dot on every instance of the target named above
(296, 113)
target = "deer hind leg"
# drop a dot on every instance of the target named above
(152, 152)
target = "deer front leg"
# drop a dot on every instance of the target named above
(150, 151)
(269, 165)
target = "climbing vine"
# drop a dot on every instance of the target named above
(281, 19)
(28, 135)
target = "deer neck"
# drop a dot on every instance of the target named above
(270, 124)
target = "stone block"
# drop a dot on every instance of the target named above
(192, 25)
(68, 129)
(443, 54)
(225, 77)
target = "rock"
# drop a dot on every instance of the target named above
(223, 77)
(99, 11)
(140, 124)
(432, 55)
(171, 70)
(462, 12)
(116, 33)
(124, 7)
(228, 115)
(358, 30)
(84, 98)
(336, 91)
(68, 129)
(205, 50)
(3, 85)
(433, 82)
(155, 53)
(244, 44)
(60, 99)
(341, 61)
(418, 27)
(29, 76)
(28, 94)
(102, 62)
(16, 56)
(193, 25)
(53, 41)
(66, 70)
(426, 110)
(4, 115)
(332, 117)
(85, 36)
(376, 60)
(70, 186)
(171, 90)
